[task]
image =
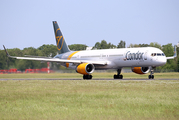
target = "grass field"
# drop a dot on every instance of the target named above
(89, 99)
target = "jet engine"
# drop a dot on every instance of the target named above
(85, 68)
(140, 70)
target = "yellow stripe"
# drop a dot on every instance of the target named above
(69, 57)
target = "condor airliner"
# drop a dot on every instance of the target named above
(141, 60)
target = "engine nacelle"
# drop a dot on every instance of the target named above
(140, 70)
(85, 68)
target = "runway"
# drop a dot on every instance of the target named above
(133, 79)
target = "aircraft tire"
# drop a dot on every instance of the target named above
(87, 77)
(151, 76)
(118, 76)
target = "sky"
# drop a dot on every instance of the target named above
(29, 23)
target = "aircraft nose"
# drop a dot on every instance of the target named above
(162, 60)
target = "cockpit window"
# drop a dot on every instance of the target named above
(153, 54)
(157, 54)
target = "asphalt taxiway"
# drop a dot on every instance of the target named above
(3, 79)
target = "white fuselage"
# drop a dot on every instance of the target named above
(118, 58)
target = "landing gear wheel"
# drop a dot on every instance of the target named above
(118, 76)
(151, 76)
(87, 77)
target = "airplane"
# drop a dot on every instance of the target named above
(141, 60)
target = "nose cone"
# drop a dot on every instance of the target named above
(162, 60)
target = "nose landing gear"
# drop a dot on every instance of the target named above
(151, 76)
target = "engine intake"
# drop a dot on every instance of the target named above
(140, 70)
(85, 68)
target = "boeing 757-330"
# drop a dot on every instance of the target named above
(141, 60)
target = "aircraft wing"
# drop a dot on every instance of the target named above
(57, 59)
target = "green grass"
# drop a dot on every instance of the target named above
(88, 99)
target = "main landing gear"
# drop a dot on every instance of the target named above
(118, 76)
(151, 76)
(87, 77)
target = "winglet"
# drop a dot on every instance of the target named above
(175, 53)
(6, 51)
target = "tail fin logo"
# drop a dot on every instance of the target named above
(60, 39)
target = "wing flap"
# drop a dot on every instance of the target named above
(62, 60)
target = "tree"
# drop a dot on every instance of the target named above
(48, 50)
(111, 46)
(177, 69)
(103, 45)
(122, 44)
(3, 60)
(143, 45)
(11, 62)
(177, 59)
(97, 45)
(77, 47)
(168, 49)
(138, 45)
(155, 44)
(133, 45)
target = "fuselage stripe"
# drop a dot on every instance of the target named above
(69, 57)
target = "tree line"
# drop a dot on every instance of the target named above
(51, 51)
